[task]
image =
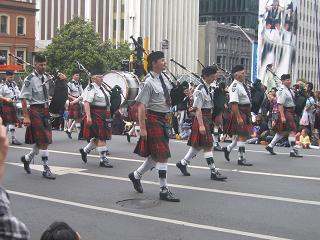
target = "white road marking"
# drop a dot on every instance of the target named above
(56, 169)
(148, 217)
(195, 167)
(77, 171)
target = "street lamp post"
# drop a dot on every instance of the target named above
(252, 47)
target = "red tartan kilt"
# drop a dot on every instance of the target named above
(40, 130)
(100, 128)
(133, 113)
(198, 140)
(233, 128)
(157, 143)
(289, 125)
(8, 113)
(217, 119)
(75, 111)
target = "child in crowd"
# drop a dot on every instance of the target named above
(304, 139)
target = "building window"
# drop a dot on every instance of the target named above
(4, 55)
(21, 22)
(21, 53)
(4, 24)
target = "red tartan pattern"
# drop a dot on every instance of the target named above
(40, 130)
(100, 128)
(8, 113)
(133, 113)
(233, 128)
(157, 143)
(217, 119)
(75, 111)
(289, 125)
(198, 140)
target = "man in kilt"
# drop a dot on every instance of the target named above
(75, 109)
(239, 123)
(35, 91)
(9, 94)
(97, 121)
(285, 122)
(154, 104)
(201, 137)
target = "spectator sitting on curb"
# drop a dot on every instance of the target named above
(11, 228)
(304, 139)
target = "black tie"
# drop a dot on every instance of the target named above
(247, 91)
(165, 91)
(105, 96)
(44, 88)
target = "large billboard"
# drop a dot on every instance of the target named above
(277, 36)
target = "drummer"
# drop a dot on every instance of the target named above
(75, 90)
(9, 94)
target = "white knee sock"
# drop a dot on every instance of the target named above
(208, 156)
(44, 156)
(102, 153)
(32, 153)
(12, 130)
(148, 164)
(241, 150)
(137, 131)
(216, 135)
(292, 142)
(232, 144)
(275, 139)
(90, 146)
(71, 126)
(192, 152)
(162, 171)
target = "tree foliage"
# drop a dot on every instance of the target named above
(78, 41)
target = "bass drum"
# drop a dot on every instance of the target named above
(128, 82)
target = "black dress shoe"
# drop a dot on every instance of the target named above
(105, 164)
(183, 169)
(15, 142)
(83, 155)
(107, 152)
(69, 134)
(48, 174)
(215, 175)
(226, 154)
(270, 150)
(136, 183)
(26, 164)
(295, 154)
(168, 196)
(243, 162)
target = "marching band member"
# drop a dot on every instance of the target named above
(97, 122)
(75, 109)
(9, 95)
(154, 104)
(285, 122)
(35, 91)
(201, 137)
(239, 124)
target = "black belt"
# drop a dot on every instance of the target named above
(206, 110)
(39, 105)
(160, 114)
(99, 107)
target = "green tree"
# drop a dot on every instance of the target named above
(78, 41)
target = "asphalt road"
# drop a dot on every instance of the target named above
(277, 198)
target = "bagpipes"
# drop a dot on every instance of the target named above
(60, 92)
(177, 92)
(115, 92)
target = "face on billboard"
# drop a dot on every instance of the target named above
(277, 37)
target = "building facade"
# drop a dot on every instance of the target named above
(168, 25)
(307, 60)
(17, 29)
(225, 46)
(241, 12)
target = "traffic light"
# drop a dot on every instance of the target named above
(139, 60)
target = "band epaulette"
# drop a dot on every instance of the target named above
(90, 86)
(234, 87)
(30, 76)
